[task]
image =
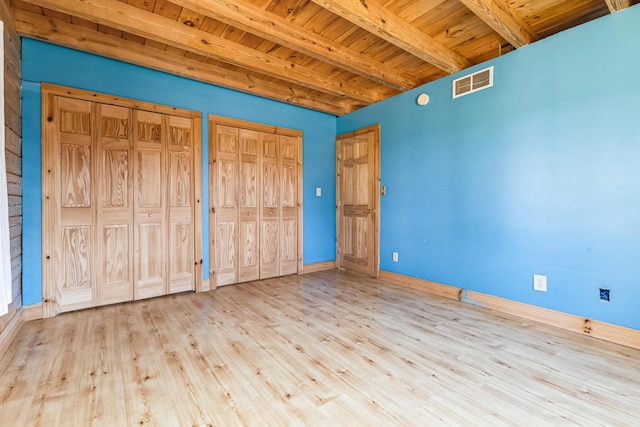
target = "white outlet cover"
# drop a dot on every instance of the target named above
(318, 191)
(395, 257)
(539, 283)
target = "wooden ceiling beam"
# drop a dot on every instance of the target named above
(278, 30)
(617, 5)
(66, 34)
(498, 16)
(388, 26)
(121, 16)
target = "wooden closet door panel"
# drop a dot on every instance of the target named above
(114, 210)
(181, 204)
(270, 207)
(225, 205)
(73, 243)
(289, 205)
(150, 236)
(249, 253)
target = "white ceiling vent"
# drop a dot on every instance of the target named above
(473, 82)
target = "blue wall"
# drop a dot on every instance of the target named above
(539, 174)
(43, 62)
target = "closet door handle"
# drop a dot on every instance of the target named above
(369, 211)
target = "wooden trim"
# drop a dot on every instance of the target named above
(446, 291)
(211, 173)
(244, 124)
(10, 330)
(617, 5)
(50, 215)
(390, 27)
(594, 328)
(73, 36)
(197, 172)
(206, 285)
(318, 266)
(143, 23)
(376, 198)
(103, 98)
(279, 30)
(300, 211)
(33, 312)
(498, 16)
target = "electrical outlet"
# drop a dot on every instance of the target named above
(539, 283)
(605, 294)
(318, 191)
(395, 257)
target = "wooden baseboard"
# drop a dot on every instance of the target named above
(205, 287)
(594, 328)
(318, 266)
(14, 320)
(33, 312)
(436, 288)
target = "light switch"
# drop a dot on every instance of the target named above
(318, 191)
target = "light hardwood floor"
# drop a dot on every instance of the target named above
(327, 348)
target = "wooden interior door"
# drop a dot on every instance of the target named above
(114, 210)
(180, 260)
(270, 207)
(249, 232)
(357, 166)
(150, 240)
(224, 194)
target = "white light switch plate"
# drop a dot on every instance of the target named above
(318, 191)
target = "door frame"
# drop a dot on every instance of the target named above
(214, 121)
(374, 193)
(51, 174)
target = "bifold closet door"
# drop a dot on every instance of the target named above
(249, 227)
(70, 253)
(114, 210)
(225, 183)
(150, 240)
(254, 204)
(279, 210)
(95, 203)
(119, 201)
(270, 207)
(164, 245)
(237, 225)
(289, 205)
(181, 205)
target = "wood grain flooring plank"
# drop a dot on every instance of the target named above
(323, 349)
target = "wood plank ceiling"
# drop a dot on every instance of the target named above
(334, 56)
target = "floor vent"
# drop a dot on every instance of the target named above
(473, 82)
